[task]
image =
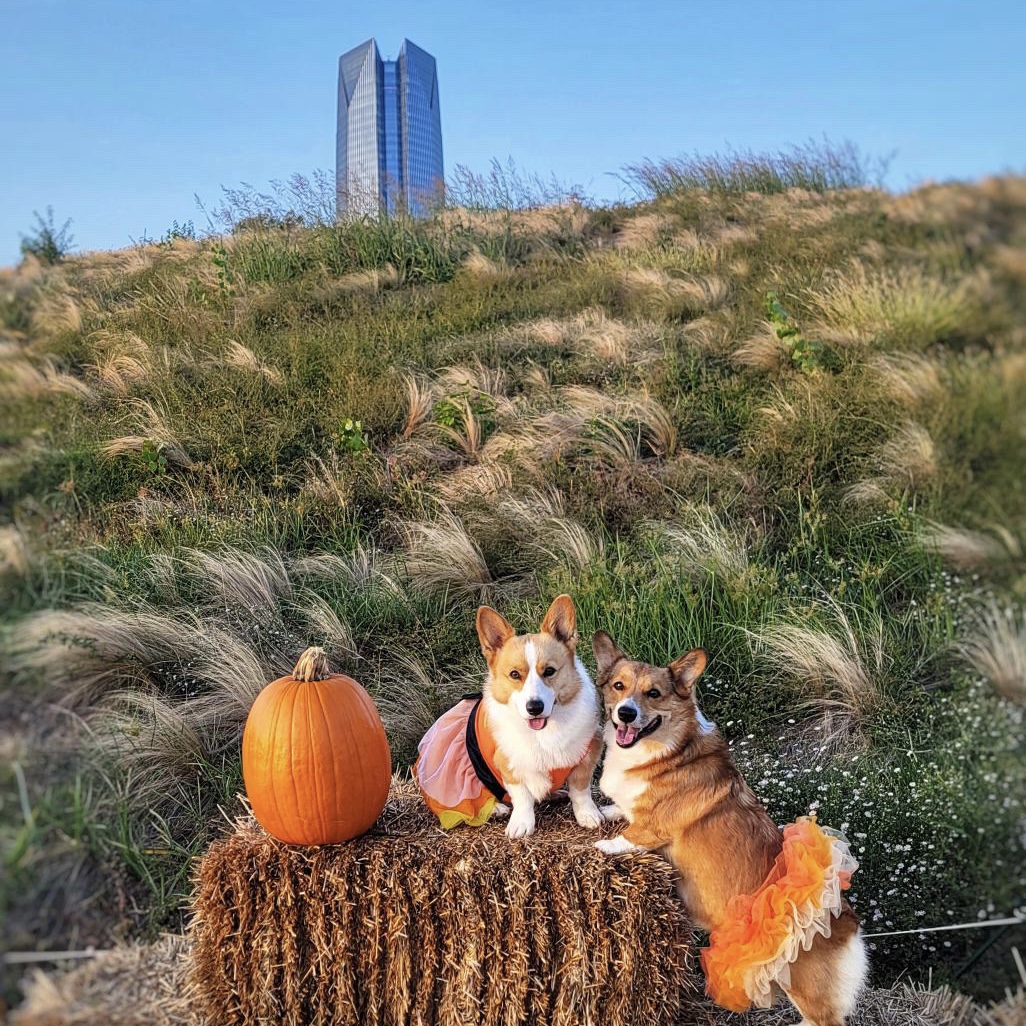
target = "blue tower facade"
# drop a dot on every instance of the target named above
(388, 147)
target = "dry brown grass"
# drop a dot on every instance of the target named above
(132, 985)
(477, 265)
(149, 985)
(152, 422)
(408, 924)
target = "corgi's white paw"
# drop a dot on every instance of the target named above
(587, 813)
(615, 845)
(521, 823)
(611, 813)
(501, 810)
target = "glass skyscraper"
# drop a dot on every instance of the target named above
(388, 149)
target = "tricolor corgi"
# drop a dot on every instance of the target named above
(535, 729)
(772, 903)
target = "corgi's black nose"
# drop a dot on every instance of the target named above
(627, 714)
(535, 707)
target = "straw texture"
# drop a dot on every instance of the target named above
(412, 925)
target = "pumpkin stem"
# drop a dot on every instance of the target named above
(312, 665)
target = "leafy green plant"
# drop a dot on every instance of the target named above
(449, 412)
(225, 283)
(807, 354)
(351, 437)
(48, 243)
(153, 458)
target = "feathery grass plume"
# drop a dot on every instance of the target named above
(329, 481)
(119, 373)
(611, 443)
(153, 422)
(655, 421)
(329, 630)
(907, 306)
(839, 668)
(694, 293)
(15, 557)
(868, 492)
(909, 457)
(363, 568)
(483, 480)
(765, 350)
(149, 737)
(93, 649)
(245, 580)
(242, 358)
(539, 517)
(57, 313)
(707, 334)
(644, 231)
(908, 378)
(965, 549)
(20, 379)
(705, 544)
(565, 540)
(476, 377)
(477, 265)
(996, 648)
(413, 922)
(372, 280)
(410, 698)
(420, 401)
(442, 557)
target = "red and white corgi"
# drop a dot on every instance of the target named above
(535, 728)
(773, 903)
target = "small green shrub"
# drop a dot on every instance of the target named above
(48, 243)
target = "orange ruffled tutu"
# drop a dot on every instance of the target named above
(766, 931)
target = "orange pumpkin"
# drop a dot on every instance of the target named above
(315, 758)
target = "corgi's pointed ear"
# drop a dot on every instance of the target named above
(561, 621)
(494, 630)
(686, 670)
(607, 653)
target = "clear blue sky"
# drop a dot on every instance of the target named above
(117, 112)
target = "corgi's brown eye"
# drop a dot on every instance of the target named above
(515, 674)
(618, 685)
(548, 671)
(652, 693)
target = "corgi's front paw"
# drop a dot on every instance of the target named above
(615, 845)
(501, 810)
(521, 823)
(587, 813)
(611, 813)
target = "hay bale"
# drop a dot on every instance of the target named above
(132, 985)
(411, 925)
(146, 985)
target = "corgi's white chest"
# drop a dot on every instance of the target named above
(621, 786)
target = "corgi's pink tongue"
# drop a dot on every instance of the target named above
(626, 735)
(538, 723)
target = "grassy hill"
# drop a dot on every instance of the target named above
(787, 424)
